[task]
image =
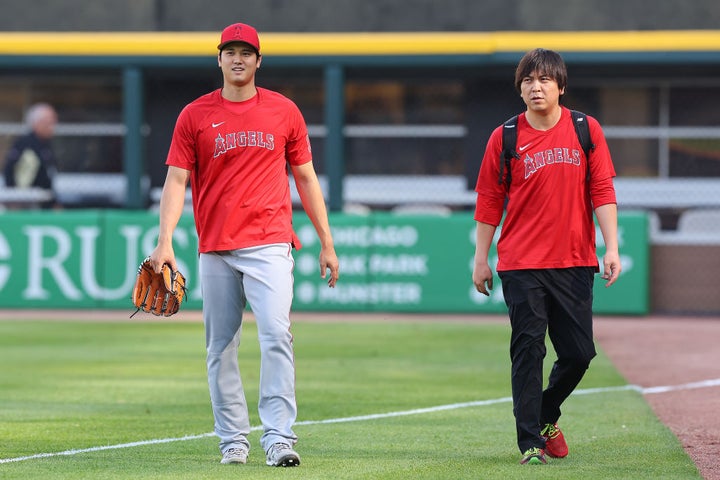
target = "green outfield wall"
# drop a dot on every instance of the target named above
(397, 263)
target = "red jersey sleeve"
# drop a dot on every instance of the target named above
(602, 170)
(298, 149)
(182, 145)
(490, 191)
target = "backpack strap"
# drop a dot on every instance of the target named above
(582, 129)
(509, 141)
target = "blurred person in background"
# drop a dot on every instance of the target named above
(30, 162)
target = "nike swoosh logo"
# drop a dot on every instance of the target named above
(520, 149)
(215, 125)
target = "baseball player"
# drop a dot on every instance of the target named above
(546, 250)
(234, 145)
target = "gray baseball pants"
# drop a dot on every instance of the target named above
(262, 276)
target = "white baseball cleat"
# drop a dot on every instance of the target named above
(282, 455)
(234, 455)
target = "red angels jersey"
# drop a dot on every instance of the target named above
(238, 155)
(549, 212)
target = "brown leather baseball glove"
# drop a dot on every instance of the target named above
(158, 293)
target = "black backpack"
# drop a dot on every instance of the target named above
(509, 141)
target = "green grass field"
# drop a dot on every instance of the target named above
(129, 400)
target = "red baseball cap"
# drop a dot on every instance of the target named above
(240, 32)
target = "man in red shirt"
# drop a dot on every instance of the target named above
(546, 250)
(234, 145)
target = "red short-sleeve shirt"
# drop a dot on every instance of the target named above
(549, 212)
(238, 154)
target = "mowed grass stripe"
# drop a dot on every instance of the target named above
(77, 385)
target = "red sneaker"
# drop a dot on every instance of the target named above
(555, 445)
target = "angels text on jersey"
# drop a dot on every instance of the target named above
(243, 139)
(555, 156)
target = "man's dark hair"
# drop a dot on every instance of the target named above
(545, 62)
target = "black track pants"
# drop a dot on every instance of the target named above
(559, 302)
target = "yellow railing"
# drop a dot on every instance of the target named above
(318, 44)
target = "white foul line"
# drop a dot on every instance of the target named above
(453, 406)
(687, 386)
